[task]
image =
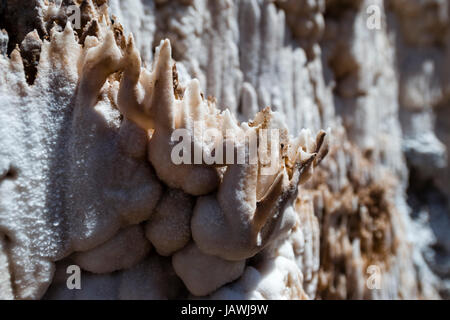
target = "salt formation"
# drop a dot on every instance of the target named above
(203, 273)
(86, 169)
(82, 203)
(128, 247)
(169, 228)
(5, 280)
(152, 278)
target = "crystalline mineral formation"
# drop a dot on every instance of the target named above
(352, 202)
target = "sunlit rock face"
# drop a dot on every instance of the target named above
(86, 177)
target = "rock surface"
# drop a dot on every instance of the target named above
(74, 172)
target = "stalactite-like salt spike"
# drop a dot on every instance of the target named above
(194, 101)
(303, 168)
(266, 206)
(183, 119)
(68, 30)
(64, 40)
(59, 53)
(189, 104)
(322, 146)
(228, 122)
(99, 63)
(306, 140)
(163, 98)
(132, 62)
(16, 65)
(128, 96)
(16, 60)
(308, 161)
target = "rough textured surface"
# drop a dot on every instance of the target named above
(128, 247)
(76, 168)
(63, 164)
(5, 278)
(153, 278)
(202, 273)
(169, 227)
